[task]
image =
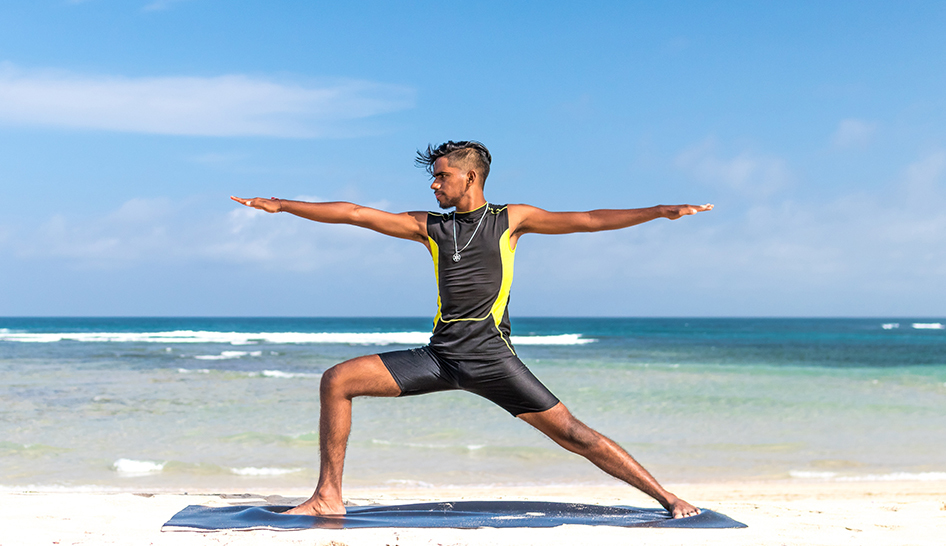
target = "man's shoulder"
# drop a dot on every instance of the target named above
(518, 210)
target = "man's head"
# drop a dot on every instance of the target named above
(459, 171)
(466, 155)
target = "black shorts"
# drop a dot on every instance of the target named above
(503, 380)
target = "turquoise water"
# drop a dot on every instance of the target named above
(233, 403)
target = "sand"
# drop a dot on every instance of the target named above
(780, 513)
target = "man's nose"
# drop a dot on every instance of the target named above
(435, 185)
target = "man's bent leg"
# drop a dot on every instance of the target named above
(362, 376)
(567, 431)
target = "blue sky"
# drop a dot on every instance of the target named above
(817, 129)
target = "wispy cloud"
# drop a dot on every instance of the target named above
(922, 178)
(164, 256)
(853, 133)
(150, 232)
(227, 105)
(747, 173)
(877, 253)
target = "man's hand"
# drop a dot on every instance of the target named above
(676, 211)
(269, 205)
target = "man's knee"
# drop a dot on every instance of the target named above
(331, 382)
(364, 376)
(339, 380)
(579, 435)
(568, 431)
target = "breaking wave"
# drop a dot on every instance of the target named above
(131, 467)
(250, 338)
(928, 326)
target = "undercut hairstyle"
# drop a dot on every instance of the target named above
(469, 153)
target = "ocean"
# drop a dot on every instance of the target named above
(232, 403)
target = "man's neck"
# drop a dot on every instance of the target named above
(458, 210)
(470, 203)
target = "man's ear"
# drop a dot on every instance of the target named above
(470, 177)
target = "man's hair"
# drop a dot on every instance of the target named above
(465, 151)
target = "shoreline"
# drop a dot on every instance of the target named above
(777, 512)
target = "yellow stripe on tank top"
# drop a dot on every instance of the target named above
(508, 256)
(435, 254)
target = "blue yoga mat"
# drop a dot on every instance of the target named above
(457, 515)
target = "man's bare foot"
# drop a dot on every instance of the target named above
(680, 508)
(318, 507)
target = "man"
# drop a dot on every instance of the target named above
(473, 249)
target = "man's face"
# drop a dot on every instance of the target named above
(450, 183)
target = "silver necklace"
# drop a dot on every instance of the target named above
(456, 252)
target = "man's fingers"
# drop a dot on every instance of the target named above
(679, 211)
(693, 209)
(243, 200)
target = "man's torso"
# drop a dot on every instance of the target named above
(473, 292)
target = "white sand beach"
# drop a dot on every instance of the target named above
(777, 512)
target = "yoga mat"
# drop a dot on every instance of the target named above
(457, 515)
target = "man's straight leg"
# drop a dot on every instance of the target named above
(567, 431)
(362, 376)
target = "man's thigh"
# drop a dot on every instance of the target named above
(420, 371)
(508, 383)
(361, 376)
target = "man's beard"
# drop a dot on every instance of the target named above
(447, 204)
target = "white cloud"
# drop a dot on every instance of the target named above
(878, 253)
(227, 105)
(849, 257)
(162, 256)
(922, 178)
(749, 174)
(147, 232)
(853, 133)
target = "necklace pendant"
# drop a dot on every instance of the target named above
(456, 257)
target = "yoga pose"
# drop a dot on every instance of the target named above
(473, 249)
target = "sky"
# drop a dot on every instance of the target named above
(817, 129)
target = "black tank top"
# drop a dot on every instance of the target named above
(473, 293)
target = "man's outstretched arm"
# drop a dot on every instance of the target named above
(405, 225)
(529, 219)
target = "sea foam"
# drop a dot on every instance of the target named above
(131, 467)
(561, 339)
(251, 338)
(928, 326)
(284, 375)
(229, 355)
